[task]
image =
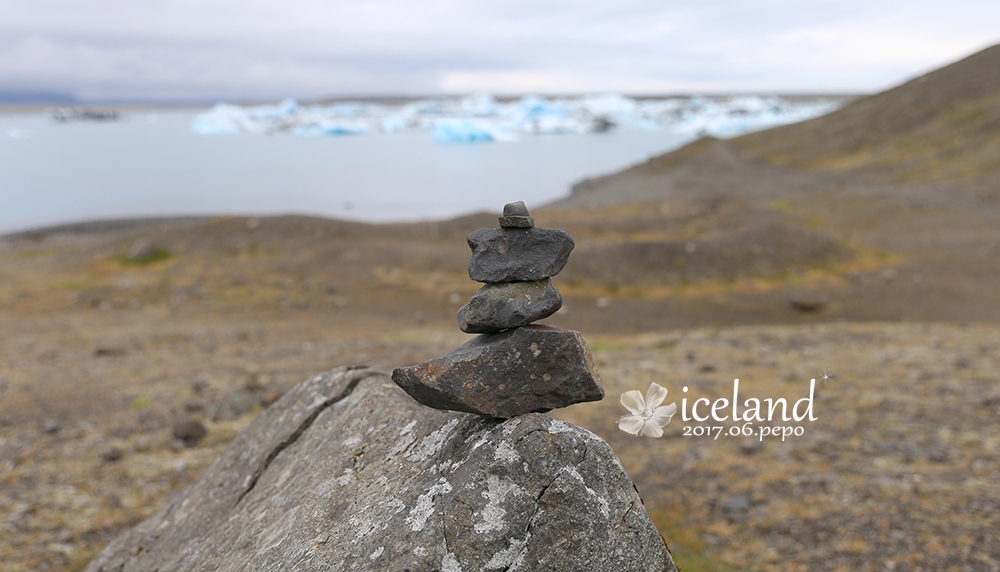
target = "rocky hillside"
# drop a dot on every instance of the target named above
(944, 125)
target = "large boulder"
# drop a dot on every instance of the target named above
(345, 472)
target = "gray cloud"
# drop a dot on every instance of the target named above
(309, 48)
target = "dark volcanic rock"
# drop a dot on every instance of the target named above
(507, 305)
(516, 222)
(518, 254)
(515, 215)
(808, 303)
(51, 426)
(530, 369)
(189, 431)
(346, 473)
(516, 208)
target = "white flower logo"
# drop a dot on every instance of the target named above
(646, 419)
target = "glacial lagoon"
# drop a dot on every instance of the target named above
(402, 163)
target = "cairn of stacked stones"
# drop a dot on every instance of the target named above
(513, 367)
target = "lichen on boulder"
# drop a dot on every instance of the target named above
(345, 472)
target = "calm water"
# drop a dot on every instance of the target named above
(154, 165)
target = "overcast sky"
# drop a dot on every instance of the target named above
(140, 49)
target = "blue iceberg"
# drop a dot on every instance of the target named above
(462, 131)
(482, 118)
(343, 127)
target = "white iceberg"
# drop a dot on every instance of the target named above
(393, 124)
(482, 118)
(554, 126)
(332, 127)
(286, 108)
(609, 105)
(467, 131)
(482, 105)
(222, 118)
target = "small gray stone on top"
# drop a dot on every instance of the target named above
(518, 254)
(515, 215)
(515, 208)
(507, 305)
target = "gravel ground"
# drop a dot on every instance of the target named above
(900, 470)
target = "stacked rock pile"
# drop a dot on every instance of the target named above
(513, 367)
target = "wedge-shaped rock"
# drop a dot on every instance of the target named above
(530, 369)
(347, 473)
(518, 254)
(506, 305)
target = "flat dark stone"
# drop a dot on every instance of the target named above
(518, 254)
(530, 369)
(516, 222)
(506, 305)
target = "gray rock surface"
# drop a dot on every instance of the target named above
(531, 369)
(516, 222)
(518, 254)
(507, 305)
(346, 473)
(141, 250)
(516, 208)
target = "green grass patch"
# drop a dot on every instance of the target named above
(139, 403)
(606, 346)
(686, 547)
(158, 255)
(37, 253)
(780, 206)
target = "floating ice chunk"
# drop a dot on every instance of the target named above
(392, 124)
(347, 109)
(284, 109)
(661, 107)
(463, 131)
(553, 126)
(533, 107)
(481, 118)
(697, 102)
(482, 105)
(221, 118)
(424, 107)
(610, 104)
(332, 127)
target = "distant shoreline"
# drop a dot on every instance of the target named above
(42, 107)
(107, 226)
(96, 226)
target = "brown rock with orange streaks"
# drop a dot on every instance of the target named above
(524, 370)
